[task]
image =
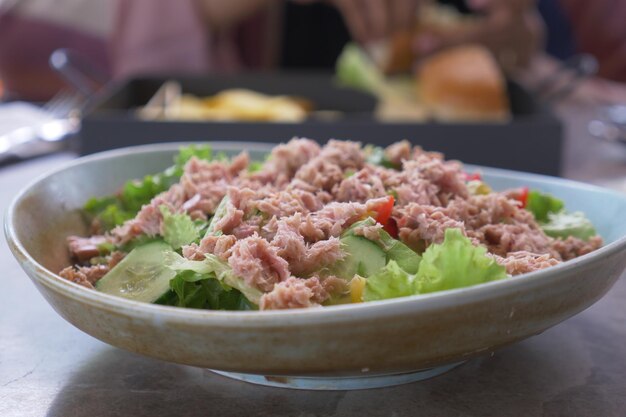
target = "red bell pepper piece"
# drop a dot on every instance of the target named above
(391, 227)
(383, 216)
(476, 176)
(522, 196)
(383, 212)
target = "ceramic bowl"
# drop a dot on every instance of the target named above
(349, 346)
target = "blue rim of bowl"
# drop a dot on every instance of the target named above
(295, 317)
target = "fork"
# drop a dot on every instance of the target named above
(49, 136)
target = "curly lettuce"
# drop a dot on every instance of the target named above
(178, 228)
(213, 267)
(390, 282)
(111, 211)
(455, 263)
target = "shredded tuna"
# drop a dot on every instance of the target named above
(231, 219)
(320, 174)
(360, 187)
(398, 152)
(209, 180)
(217, 245)
(504, 238)
(287, 202)
(285, 160)
(334, 218)
(319, 255)
(248, 227)
(573, 247)
(369, 232)
(421, 225)
(521, 262)
(281, 225)
(87, 276)
(115, 258)
(447, 176)
(293, 293)
(239, 163)
(148, 220)
(305, 258)
(258, 263)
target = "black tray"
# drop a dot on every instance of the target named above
(531, 141)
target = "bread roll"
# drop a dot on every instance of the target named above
(463, 83)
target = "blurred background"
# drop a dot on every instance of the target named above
(522, 84)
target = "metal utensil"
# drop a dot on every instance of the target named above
(611, 124)
(48, 132)
(51, 131)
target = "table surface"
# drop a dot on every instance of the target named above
(49, 368)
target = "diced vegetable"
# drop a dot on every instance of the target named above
(564, 224)
(520, 195)
(540, 205)
(384, 211)
(474, 176)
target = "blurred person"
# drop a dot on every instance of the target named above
(511, 29)
(141, 37)
(529, 37)
(131, 37)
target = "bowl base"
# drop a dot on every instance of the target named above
(340, 383)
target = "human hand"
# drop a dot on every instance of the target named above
(511, 29)
(370, 20)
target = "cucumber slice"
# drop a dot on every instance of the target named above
(404, 256)
(392, 248)
(363, 257)
(141, 275)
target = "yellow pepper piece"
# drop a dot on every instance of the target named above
(357, 286)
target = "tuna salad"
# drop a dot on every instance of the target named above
(315, 226)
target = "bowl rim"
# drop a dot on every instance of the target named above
(272, 318)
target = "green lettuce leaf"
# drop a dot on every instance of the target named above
(220, 212)
(355, 69)
(111, 211)
(178, 228)
(185, 153)
(541, 204)
(456, 263)
(390, 282)
(108, 210)
(192, 290)
(564, 224)
(214, 267)
(376, 156)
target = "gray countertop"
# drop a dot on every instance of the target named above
(49, 368)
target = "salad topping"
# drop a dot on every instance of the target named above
(315, 226)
